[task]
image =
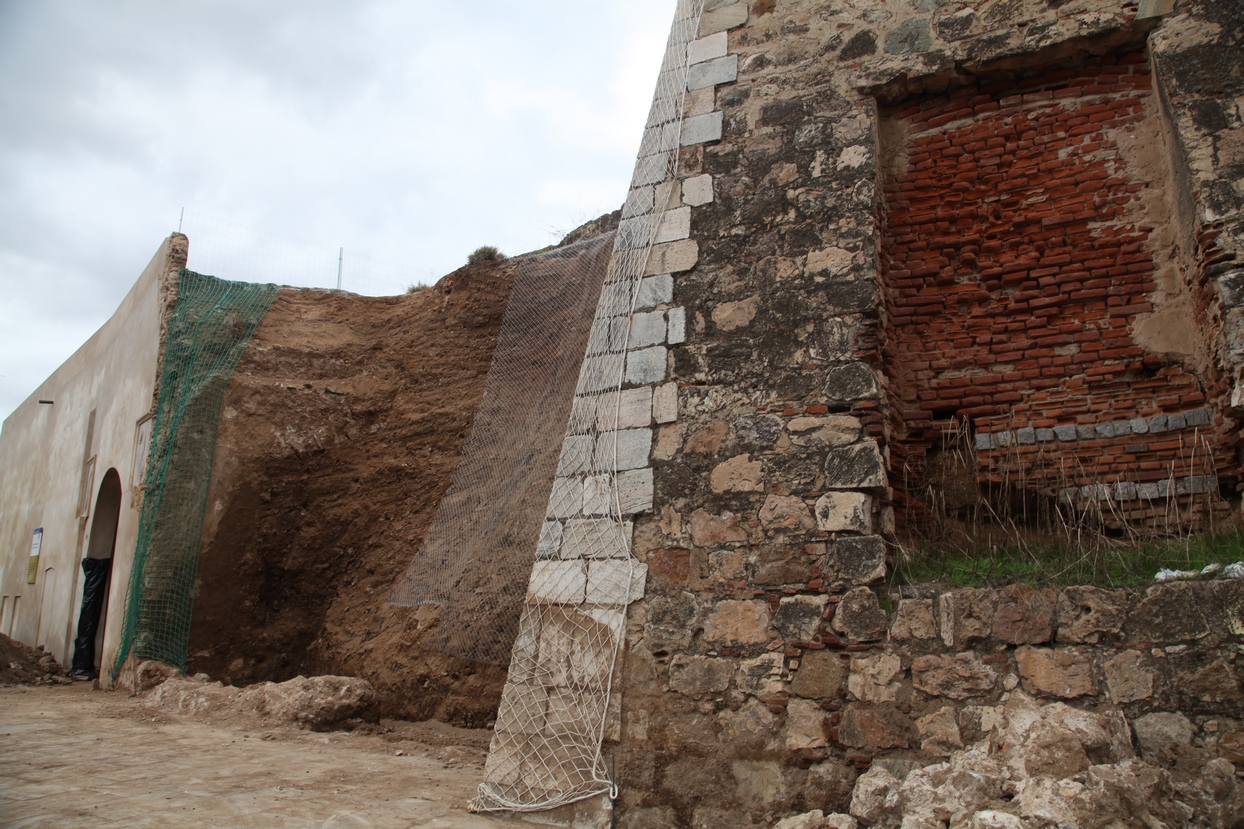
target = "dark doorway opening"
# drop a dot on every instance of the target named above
(96, 570)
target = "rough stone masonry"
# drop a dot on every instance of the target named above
(1008, 228)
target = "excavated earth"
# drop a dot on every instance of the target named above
(340, 431)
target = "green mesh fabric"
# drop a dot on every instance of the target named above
(208, 331)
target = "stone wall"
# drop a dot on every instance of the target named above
(767, 664)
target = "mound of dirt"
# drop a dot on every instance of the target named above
(23, 665)
(341, 429)
(319, 702)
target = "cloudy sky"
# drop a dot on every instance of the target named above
(407, 132)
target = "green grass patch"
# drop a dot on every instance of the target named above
(1105, 563)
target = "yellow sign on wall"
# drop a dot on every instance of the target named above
(32, 569)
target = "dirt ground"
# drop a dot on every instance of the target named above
(73, 757)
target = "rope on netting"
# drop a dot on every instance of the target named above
(546, 749)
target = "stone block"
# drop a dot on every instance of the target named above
(960, 676)
(1055, 673)
(737, 622)
(665, 403)
(1160, 733)
(728, 316)
(1129, 677)
(698, 190)
(781, 564)
(1024, 615)
(550, 540)
(758, 784)
(832, 260)
(875, 678)
(857, 560)
(850, 383)
(1216, 682)
(722, 19)
(761, 676)
(675, 224)
(707, 48)
(639, 200)
(655, 290)
(845, 511)
(615, 582)
(820, 676)
(786, 513)
(673, 257)
(623, 449)
(708, 530)
(522, 710)
(597, 495)
(600, 373)
(566, 498)
(1168, 613)
(575, 649)
(1087, 614)
(798, 618)
(912, 35)
(646, 366)
(701, 129)
(855, 467)
(939, 732)
(651, 169)
(698, 676)
(966, 616)
(874, 727)
(724, 69)
(635, 490)
(557, 582)
(913, 620)
(738, 474)
(859, 616)
(576, 455)
(628, 409)
(758, 430)
(677, 326)
(805, 726)
(647, 328)
(569, 710)
(594, 538)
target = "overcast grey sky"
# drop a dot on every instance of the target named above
(407, 131)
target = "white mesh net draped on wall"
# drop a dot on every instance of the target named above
(546, 749)
(477, 553)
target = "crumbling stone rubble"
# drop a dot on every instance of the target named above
(319, 702)
(1053, 766)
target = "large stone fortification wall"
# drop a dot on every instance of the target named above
(902, 232)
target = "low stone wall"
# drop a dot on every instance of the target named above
(828, 686)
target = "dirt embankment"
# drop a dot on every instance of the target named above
(341, 429)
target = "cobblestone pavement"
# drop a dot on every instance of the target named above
(73, 757)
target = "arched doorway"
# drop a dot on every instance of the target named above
(96, 568)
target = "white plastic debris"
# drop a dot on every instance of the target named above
(1234, 571)
(1176, 575)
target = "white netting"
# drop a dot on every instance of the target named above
(546, 750)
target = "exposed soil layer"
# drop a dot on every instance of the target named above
(341, 429)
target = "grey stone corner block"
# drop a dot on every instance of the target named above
(707, 48)
(697, 190)
(723, 18)
(654, 291)
(628, 448)
(713, 72)
(646, 365)
(675, 224)
(677, 326)
(672, 257)
(700, 129)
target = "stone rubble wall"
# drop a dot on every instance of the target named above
(766, 664)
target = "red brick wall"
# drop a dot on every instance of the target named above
(1016, 262)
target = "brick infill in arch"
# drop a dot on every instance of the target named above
(1019, 262)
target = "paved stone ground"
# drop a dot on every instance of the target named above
(73, 757)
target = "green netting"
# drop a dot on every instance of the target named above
(208, 330)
